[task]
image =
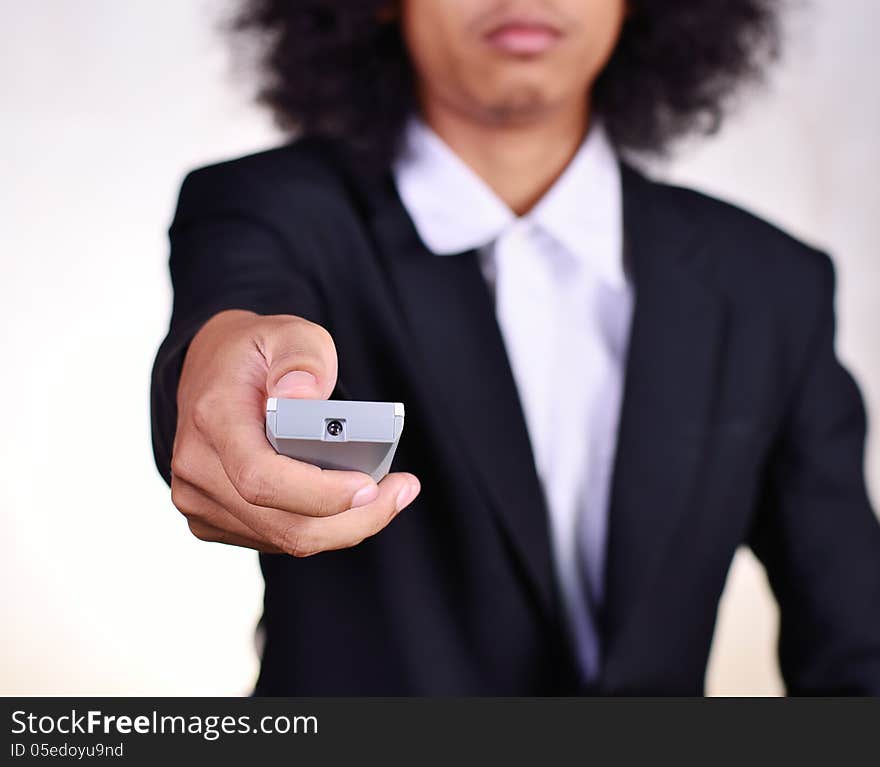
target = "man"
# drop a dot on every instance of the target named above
(610, 384)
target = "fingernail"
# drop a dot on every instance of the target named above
(296, 382)
(367, 494)
(406, 495)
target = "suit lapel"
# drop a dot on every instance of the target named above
(670, 381)
(668, 398)
(456, 341)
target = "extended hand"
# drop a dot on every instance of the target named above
(226, 478)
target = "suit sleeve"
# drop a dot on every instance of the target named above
(816, 532)
(226, 253)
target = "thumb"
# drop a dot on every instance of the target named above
(302, 360)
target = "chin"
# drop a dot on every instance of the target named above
(520, 105)
(513, 94)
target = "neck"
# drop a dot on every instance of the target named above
(519, 161)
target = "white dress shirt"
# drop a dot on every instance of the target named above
(564, 307)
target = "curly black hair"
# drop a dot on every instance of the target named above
(339, 68)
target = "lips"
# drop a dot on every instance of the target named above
(523, 37)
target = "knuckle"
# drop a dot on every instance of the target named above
(323, 337)
(296, 543)
(316, 505)
(314, 341)
(201, 531)
(178, 494)
(311, 500)
(327, 499)
(329, 351)
(298, 343)
(181, 466)
(253, 486)
(202, 413)
(190, 504)
(322, 504)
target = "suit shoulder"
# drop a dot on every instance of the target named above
(743, 249)
(295, 176)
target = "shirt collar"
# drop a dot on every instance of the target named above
(454, 210)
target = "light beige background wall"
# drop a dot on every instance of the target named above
(103, 106)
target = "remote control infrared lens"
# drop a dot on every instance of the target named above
(334, 428)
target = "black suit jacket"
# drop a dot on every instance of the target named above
(738, 426)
